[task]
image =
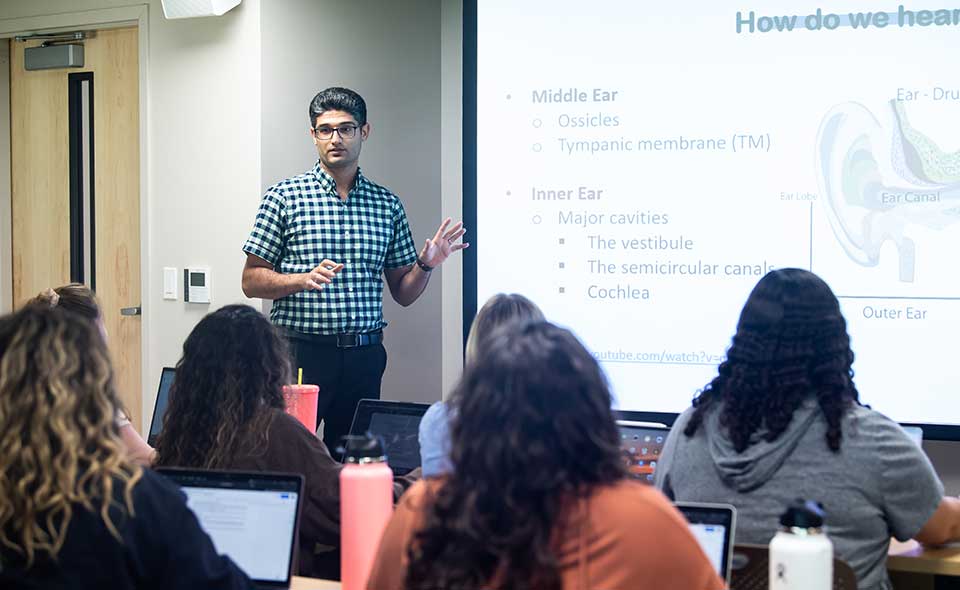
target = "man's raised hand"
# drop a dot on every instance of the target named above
(444, 243)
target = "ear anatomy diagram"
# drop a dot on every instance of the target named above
(878, 180)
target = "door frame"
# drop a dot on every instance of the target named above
(107, 18)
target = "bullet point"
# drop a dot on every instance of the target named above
(561, 290)
(562, 265)
(537, 122)
(508, 193)
(509, 97)
(561, 241)
(537, 147)
(537, 219)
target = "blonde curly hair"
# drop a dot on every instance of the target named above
(59, 445)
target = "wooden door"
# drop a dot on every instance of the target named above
(40, 196)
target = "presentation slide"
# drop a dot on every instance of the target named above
(640, 165)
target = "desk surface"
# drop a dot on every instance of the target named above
(916, 558)
(902, 557)
(299, 583)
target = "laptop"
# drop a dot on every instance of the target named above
(160, 406)
(713, 526)
(641, 444)
(251, 517)
(398, 423)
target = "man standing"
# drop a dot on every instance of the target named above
(318, 247)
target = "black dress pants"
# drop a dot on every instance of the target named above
(345, 376)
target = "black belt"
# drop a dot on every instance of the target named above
(340, 340)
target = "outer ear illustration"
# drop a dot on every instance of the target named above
(877, 180)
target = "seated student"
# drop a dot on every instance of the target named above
(782, 420)
(226, 411)
(79, 299)
(539, 496)
(434, 432)
(75, 511)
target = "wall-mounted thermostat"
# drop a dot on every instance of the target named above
(196, 285)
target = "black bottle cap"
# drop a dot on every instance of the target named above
(365, 448)
(803, 514)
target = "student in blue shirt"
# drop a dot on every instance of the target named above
(499, 310)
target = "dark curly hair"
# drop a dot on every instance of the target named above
(791, 344)
(232, 371)
(532, 430)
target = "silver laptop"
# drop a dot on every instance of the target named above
(713, 526)
(253, 518)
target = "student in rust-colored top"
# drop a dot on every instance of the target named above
(538, 497)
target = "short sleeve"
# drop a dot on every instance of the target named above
(911, 489)
(434, 435)
(266, 240)
(401, 251)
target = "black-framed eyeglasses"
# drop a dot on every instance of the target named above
(344, 131)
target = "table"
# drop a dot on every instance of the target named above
(911, 556)
(299, 583)
(917, 567)
(908, 558)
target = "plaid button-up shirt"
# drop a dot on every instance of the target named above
(302, 221)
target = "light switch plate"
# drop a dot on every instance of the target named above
(170, 283)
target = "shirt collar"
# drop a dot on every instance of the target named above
(329, 185)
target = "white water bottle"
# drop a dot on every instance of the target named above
(801, 555)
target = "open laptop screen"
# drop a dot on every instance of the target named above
(251, 517)
(640, 445)
(398, 423)
(160, 407)
(713, 526)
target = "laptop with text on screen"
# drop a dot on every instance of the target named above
(713, 526)
(398, 423)
(253, 518)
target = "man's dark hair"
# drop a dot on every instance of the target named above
(791, 344)
(338, 99)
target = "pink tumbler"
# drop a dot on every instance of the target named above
(301, 402)
(366, 504)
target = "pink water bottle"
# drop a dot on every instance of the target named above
(366, 504)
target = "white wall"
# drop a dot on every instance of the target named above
(204, 129)
(451, 182)
(389, 52)
(202, 155)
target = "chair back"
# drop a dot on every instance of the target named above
(751, 569)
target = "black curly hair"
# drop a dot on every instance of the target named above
(791, 344)
(532, 429)
(232, 371)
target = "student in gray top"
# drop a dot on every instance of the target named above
(783, 420)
